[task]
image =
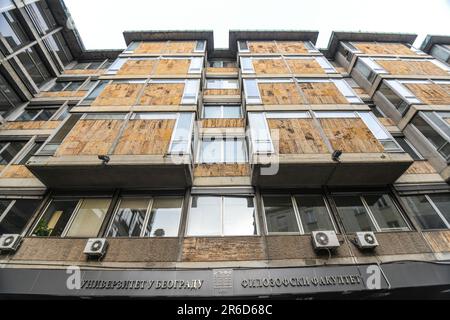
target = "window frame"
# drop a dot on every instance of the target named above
(13, 201)
(222, 110)
(223, 139)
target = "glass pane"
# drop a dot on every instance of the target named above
(353, 214)
(11, 29)
(423, 212)
(11, 151)
(428, 131)
(407, 147)
(3, 205)
(239, 216)
(75, 85)
(89, 218)
(211, 151)
(34, 66)
(442, 201)
(235, 151)
(58, 86)
(55, 218)
(164, 218)
(45, 115)
(18, 216)
(313, 213)
(385, 212)
(28, 115)
(129, 218)
(31, 153)
(212, 112)
(231, 112)
(280, 214)
(205, 216)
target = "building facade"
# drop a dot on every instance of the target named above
(267, 169)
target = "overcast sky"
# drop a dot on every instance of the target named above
(101, 22)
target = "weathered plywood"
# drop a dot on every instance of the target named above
(280, 93)
(262, 47)
(270, 66)
(223, 123)
(408, 67)
(429, 93)
(145, 137)
(16, 171)
(151, 47)
(290, 47)
(222, 92)
(181, 46)
(222, 170)
(383, 48)
(162, 94)
(304, 66)
(322, 93)
(90, 137)
(119, 94)
(173, 67)
(134, 67)
(350, 135)
(438, 240)
(420, 167)
(387, 122)
(83, 71)
(31, 125)
(214, 70)
(296, 136)
(63, 94)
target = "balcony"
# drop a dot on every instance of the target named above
(142, 151)
(295, 149)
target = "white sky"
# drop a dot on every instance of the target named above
(101, 22)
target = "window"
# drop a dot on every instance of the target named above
(9, 150)
(222, 84)
(160, 216)
(296, 214)
(8, 97)
(369, 212)
(196, 65)
(222, 64)
(408, 147)
(41, 16)
(66, 86)
(378, 130)
(88, 65)
(247, 65)
(95, 92)
(72, 218)
(368, 68)
(260, 134)
(36, 114)
(116, 65)
(15, 214)
(34, 66)
(11, 29)
(243, 46)
(182, 135)
(190, 94)
(430, 211)
(131, 47)
(222, 216)
(34, 148)
(222, 150)
(221, 112)
(200, 46)
(58, 46)
(252, 92)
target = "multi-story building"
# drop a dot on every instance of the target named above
(269, 168)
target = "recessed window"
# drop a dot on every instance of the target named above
(222, 216)
(12, 31)
(430, 211)
(221, 112)
(15, 214)
(8, 97)
(369, 212)
(9, 150)
(223, 150)
(408, 147)
(33, 65)
(36, 114)
(58, 46)
(222, 84)
(66, 86)
(222, 64)
(41, 16)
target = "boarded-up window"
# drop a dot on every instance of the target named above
(297, 136)
(429, 93)
(383, 48)
(279, 93)
(322, 93)
(292, 47)
(270, 66)
(181, 47)
(350, 135)
(162, 94)
(136, 67)
(304, 66)
(90, 137)
(118, 94)
(262, 47)
(405, 67)
(146, 137)
(173, 67)
(151, 47)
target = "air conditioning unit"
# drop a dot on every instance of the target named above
(325, 240)
(366, 240)
(10, 242)
(96, 247)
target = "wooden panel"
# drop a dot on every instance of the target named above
(429, 93)
(118, 94)
(438, 240)
(420, 167)
(17, 171)
(383, 48)
(291, 47)
(63, 94)
(223, 123)
(270, 66)
(387, 122)
(279, 93)
(137, 67)
(262, 47)
(405, 67)
(151, 47)
(181, 46)
(322, 93)
(350, 135)
(146, 137)
(297, 136)
(222, 170)
(222, 70)
(31, 125)
(304, 66)
(90, 137)
(222, 92)
(173, 67)
(162, 94)
(83, 71)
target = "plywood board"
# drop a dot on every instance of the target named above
(134, 67)
(292, 47)
(222, 170)
(322, 93)
(408, 67)
(16, 171)
(119, 94)
(262, 47)
(150, 47)
(305, 66)
(429, 93)
(270, 66)
(162, 94)
(223, 123)
(420, 167)
(181, 47)
(31, 125)
(383, 48)
(173, 67)
(280, 93)
(222, 92)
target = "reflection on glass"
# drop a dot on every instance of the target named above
(385, 212)
(313, 213)
(239, 216)
(442, 202)
(18, 216)
(164, 218)
(205, 216)
(280, 214)
(353, 214)
(55, 218)
(129, 218)
(423, 212)
(89, 218)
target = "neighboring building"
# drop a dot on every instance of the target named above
(207, 170)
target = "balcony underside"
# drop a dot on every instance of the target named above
(315, 170)
(119, 172)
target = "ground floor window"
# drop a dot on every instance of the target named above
(430, 211)
(15, 214)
